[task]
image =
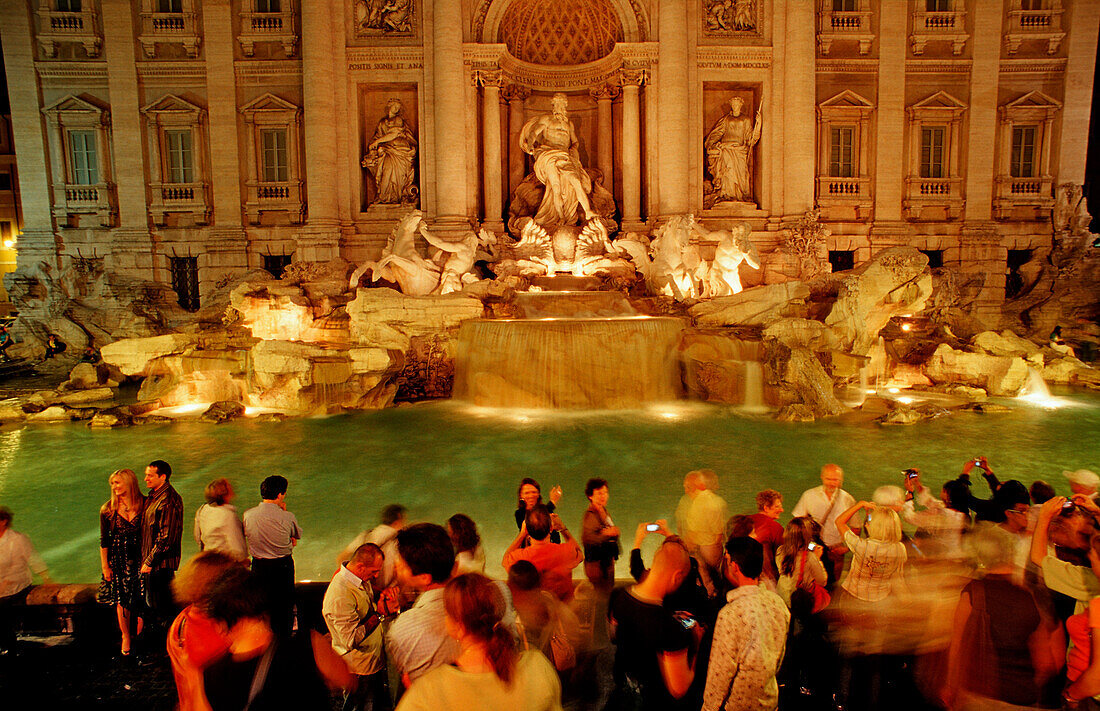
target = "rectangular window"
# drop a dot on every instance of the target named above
(937, 5)
(842, 260)
(169, 5)
(1023, 152)
(845, 5)
(82, 158)
(273, 155)
(180, 158)
(276, 264)
(5, 181)
(268, 6)
(5, 230)
(931, 152)
(935, 257)
(185, 280)
(68, 5)
(841, 158)
(1031, 5)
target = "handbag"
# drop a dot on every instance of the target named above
(814, 599)
(562, 653)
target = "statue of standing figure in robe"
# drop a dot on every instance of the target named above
(729, 154)
(390, 157)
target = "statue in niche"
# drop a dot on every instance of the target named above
(728, 149)
(384, 16)
(390, 158)
(552, 140)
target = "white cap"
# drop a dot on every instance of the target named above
(1083, 477)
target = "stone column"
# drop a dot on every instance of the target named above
(37, 242)
(982, 135)
(491, 160)
(673, 95)
(131, 247)
(889, 182)
(603, 95)
(632, 80)
(515, 95)
(449, 114)
(227, 247)
(799, 101)
(318, 241)
(1082, 19)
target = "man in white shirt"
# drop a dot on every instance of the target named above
(356, 628)
(701, 517)
(18, 559)
(394, 518)
(823, 504)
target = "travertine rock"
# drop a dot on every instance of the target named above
(758, 306)
(800, 378)
(804, 333)
(1063, 370)
(222, 411)
(82, 377)
(1000, 376)
(85, 397)
(795, 412)
(893, 282)
(11, 410)
(719, 367)
(1007, 343)
(56, 413)
(407, 315)
(113, 417)
(133, 355)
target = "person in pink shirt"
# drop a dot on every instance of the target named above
(554, 561)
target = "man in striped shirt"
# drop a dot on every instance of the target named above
(161, 540)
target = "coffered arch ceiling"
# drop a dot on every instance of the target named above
(559, 32)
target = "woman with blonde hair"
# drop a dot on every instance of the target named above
(489, 673)
(120, 553)
(878, 561)
(217, 527)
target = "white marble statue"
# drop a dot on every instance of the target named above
(734, 248)
(670, 264)
(728, 149)
(390, 157)
(552, 140)
(449, 269)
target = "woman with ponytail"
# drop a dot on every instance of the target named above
(489, 673)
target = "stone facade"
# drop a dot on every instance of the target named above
(186, 147)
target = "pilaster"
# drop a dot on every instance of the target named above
(799, 99)
(673, 95)
(221, 90)
(318, 241)
(515, 95)
(1083, 18)
(604, 95)
(491, 178)
(37, 242)
(631, 82)
(982, 137)
(449, 113)
(890, 125)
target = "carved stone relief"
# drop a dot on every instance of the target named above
(731, 18)
(375, 18)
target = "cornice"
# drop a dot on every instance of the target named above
(269, 68)
(385, 58)
(851, 65)
(70, 73)
(1037, 65)
(733, 57)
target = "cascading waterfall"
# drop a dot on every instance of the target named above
(585, 360)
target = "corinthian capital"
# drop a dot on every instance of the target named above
(515, 92)
(604, 92)
(489, 77)
(633, 77)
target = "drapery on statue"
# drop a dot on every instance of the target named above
(552, 140)
(390, 157)
(729, 154)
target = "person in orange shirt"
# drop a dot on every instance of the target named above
(554, 561)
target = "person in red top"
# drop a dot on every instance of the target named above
(194, 640)
(554, 561)
(767, 530)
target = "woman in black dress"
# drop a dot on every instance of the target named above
(530, 495)
(120, 553)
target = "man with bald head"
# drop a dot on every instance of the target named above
(823, 504)
(652, 665)
(701, 517)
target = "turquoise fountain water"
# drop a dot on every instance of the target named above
(443, 458)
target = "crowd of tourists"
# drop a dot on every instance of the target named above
(963, 601)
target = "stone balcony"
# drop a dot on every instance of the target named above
(55, 27)
(169, 28)
(845, 198)
(1041, 25)
(268, 27)
(932, 199)
(185, 199)
(948, 26)
(1023, 198)
(71, 200)
(284, 197)
(834, 26)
